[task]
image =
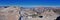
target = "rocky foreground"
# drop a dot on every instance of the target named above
(18, 13)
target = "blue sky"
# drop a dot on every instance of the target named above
(9, 2)
(31, 3)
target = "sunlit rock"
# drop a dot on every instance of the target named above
(9, 13)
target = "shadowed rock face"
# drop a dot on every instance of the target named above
(58, 18)
(9, 13)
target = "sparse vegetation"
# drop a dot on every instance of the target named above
(34, 15)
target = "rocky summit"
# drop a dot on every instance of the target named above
(37, 13)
